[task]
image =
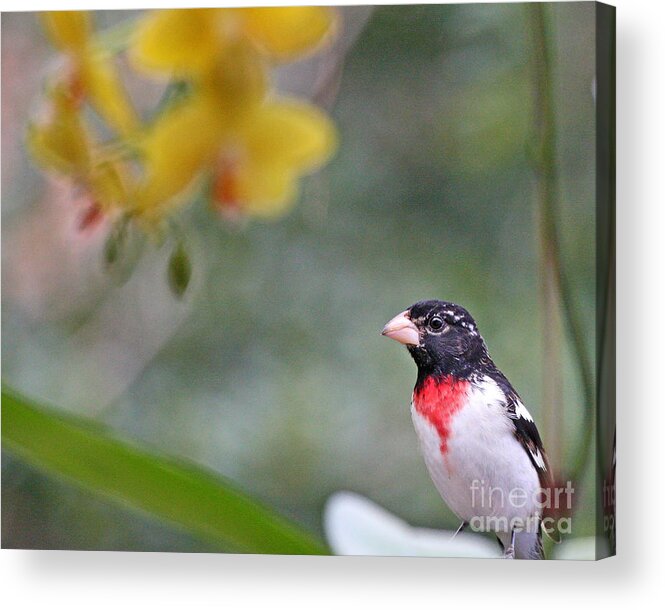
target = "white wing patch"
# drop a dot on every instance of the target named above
(538, 459)
(521, 411)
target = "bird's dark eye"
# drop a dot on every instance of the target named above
(436, 323)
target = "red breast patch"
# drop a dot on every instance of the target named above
(437, 400)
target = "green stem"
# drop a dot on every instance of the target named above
(548, 191)
(117, 38)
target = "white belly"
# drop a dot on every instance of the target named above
(485, 472)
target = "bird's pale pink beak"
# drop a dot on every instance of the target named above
(402, 329)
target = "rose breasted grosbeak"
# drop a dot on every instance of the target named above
(480, 444)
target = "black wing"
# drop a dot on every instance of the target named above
(527, 434)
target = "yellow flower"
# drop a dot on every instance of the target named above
(258, 170)
(187, 43)
(92, 74)
(109, 185)
(69, 31)
(61, 142)
(228, 133)
(59, 139)
(254, 160)
(176, 148)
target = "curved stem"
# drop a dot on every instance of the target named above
(546, 171)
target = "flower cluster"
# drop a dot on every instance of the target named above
(253, 144)
(61, 139)
(221, 129)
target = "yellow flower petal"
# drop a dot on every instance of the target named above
(68, 30)
(266, 191)
(107, 184)
(270, 147)
(286, 32)
(181, 144)
(60, 142)
(179, 42)
(237, 79)
(290, 133)
(108, 95)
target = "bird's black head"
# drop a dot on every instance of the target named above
(442, 338)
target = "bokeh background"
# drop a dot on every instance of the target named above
(271, 370)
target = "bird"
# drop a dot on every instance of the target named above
(479, 442)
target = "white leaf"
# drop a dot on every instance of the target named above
(355, 525)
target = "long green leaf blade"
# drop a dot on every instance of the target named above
(183, 494)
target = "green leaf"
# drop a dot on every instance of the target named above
(183, 494)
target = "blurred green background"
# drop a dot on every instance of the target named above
(272, 371)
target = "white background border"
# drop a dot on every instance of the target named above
(54, 579)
